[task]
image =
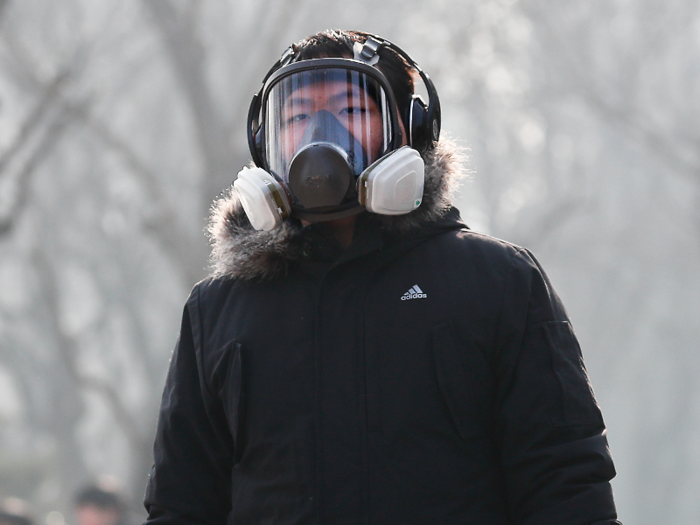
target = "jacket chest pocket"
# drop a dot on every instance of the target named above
(465, 381)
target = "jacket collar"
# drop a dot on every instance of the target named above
(239, 251)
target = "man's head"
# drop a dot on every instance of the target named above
(337, 105)
(14, 511)
(99, 504)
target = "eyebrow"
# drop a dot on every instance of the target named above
(298, 99)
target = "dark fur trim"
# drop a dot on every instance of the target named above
(239, 251)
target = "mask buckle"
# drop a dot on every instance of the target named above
(367, 53)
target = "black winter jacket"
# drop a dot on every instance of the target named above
(426, 375)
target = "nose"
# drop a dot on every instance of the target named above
(323, 127)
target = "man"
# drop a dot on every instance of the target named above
(359, 355)
(99, 504)
(14, 511)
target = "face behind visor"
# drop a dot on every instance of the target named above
(322, 127)
(325, 163)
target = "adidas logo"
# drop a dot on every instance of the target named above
(414, 293)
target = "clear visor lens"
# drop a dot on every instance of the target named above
(340, 106)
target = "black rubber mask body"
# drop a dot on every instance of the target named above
(323, 171)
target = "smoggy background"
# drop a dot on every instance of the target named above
(120, 121)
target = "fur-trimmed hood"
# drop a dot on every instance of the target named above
(239, 251)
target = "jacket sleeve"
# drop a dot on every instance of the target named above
(549, 427)
(190, 479)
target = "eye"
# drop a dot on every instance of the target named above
(295, 119)
(353, 110)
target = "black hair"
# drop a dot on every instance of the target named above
(101, 497)
(338, 43)
(11, 518)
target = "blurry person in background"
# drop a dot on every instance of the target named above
(15, 511)
(99, 503)
(359, 355)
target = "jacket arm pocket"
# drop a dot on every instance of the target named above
(574, 400)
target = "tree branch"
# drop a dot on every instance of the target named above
(49, 136)
(181, 249)
(189, 64)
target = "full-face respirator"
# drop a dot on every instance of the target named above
(327, 141)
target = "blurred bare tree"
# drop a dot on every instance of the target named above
(117, 142)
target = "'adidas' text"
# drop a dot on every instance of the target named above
(414, 293)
